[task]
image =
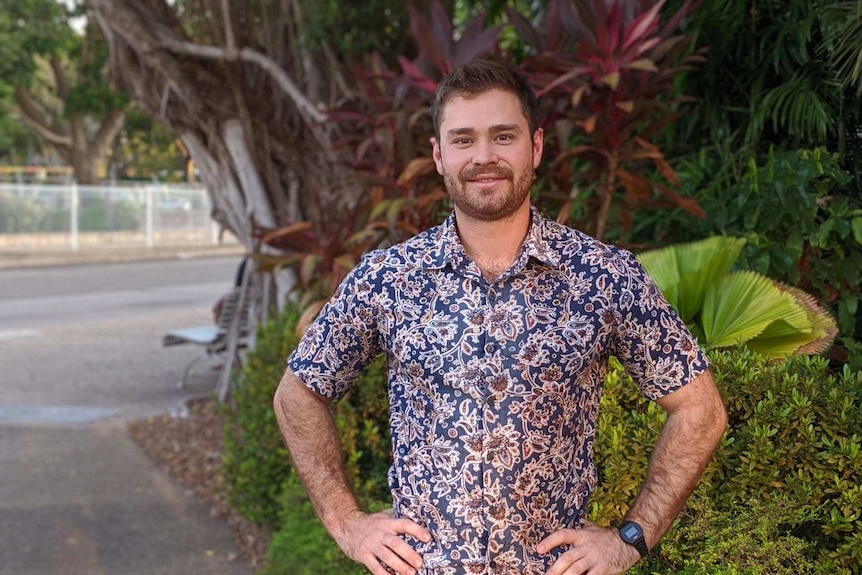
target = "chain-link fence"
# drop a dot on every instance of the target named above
(36, 215)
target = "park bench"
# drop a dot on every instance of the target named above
(214, 339)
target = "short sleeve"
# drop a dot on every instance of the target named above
(342, 340)
(650, 339)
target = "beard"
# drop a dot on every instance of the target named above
(495, 204)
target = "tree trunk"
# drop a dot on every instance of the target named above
(72, 139)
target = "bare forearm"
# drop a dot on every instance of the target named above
(684, 448)
(309, 432)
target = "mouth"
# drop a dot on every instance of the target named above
(486, 178)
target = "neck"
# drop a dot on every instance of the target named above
(493, 245)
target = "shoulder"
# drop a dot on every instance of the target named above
(408, 255)
(580, 252)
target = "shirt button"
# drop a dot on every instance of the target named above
(490, 347)
(492, 296)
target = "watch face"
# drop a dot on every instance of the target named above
(630, 532)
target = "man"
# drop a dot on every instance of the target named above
(498, 325)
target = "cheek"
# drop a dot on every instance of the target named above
(452, 163)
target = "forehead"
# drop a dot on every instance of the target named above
(481, 111)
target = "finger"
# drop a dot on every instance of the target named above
(555, 539)
(560, 565)
(374, 566)
(412, 528)
(396, 562)
(571, 559)
(404, 550)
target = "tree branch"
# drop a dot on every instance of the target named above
(30, 113)
(60, 78)
(230, 42)
(303, 104)
(109, 129)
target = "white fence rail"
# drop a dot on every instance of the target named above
(52, 216)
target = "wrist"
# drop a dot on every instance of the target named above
(632, 535)
(341, 525)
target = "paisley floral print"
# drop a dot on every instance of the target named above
(494, 388)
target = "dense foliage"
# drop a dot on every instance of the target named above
(256, 462)
(791, 458)
(782, 496)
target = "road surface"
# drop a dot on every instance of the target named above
(88, 338)
(80, 354)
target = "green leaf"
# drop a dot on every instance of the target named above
(743, 305)
(857, 230)
(684, 272)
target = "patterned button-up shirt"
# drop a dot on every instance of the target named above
(494, 388)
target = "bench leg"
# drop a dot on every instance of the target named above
(181, 384)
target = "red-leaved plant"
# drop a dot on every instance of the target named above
(384, 139)
(605, 71)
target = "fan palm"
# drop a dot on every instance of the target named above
(741, 308)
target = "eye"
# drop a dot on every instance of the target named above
(461, 141)
(505, 137)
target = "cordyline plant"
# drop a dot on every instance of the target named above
(384, 130)
(605, 71)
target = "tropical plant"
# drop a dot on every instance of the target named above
(606, 72)
(383, 147)
(775, 73)
(731, 309)
(801, 220)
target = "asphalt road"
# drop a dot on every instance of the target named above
(81, 354)
(89, 337)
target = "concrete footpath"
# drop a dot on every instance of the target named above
(79, 497)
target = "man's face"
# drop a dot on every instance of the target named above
(486, 154)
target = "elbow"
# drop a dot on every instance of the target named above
(718, 419)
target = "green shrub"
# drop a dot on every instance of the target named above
(802, 219)
(301, 546)
(19, 215)
(102, 214)
(256, 462)
(792, 457)
(783, 494)
(740, 538)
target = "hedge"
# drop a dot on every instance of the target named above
(783, 494)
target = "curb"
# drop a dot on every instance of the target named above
(25, 259)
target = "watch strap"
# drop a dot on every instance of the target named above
(637, 542)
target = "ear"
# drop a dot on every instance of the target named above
(435, 153)
(538, 146)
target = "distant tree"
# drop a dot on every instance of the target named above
(243, 85)
(17, 144)
(52, 79)
(147, 150)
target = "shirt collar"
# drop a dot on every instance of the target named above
(446, 248)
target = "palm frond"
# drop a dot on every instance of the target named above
(843, 41)
(743, 305)
(779, 339)
(684, 272)
(795, 107)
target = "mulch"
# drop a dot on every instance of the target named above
(189, 449)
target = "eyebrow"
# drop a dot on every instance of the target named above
(497, 128)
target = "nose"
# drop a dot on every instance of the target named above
(485, 154)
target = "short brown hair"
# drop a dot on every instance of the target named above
(479, 76)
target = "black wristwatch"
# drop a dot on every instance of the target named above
(631, 533)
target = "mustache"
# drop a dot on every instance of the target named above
(474, 172)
